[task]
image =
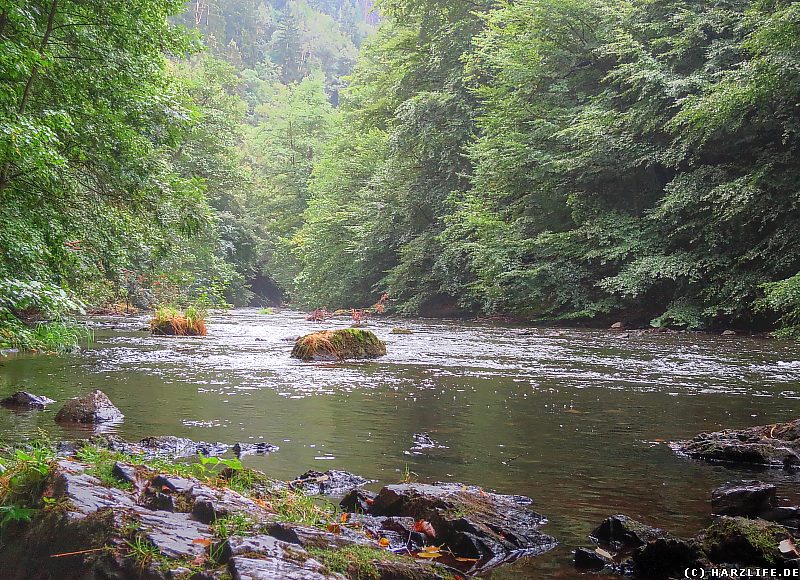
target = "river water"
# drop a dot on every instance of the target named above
(576, 419)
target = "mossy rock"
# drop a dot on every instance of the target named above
(743, 541)
(333, 345)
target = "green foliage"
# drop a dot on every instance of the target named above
(23, 472)
(357, 562)
(238, 524)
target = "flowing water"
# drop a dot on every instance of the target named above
(578, 420)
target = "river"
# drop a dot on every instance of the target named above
(576, 419)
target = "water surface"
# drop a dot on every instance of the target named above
(575, 419)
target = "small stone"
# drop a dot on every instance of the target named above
(93, 408)
(618, 326)
(729, 333)
(124, 472)
(24, 399)
(586, 559)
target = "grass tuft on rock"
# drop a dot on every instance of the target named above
(169, 321)
(348, 343)
(355, 562)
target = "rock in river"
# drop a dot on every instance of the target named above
(745, 498)
(335, 345)
(769, 445)
(491, 527)
(25, 400)
(93, 408)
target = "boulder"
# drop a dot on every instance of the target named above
(470, 521)
(745, 498)
(331, 482)
(25, 400)
(93, 408)
(336, 345)
(745, 542)
(768, 445)
(357, 501)
(589, 560)
(621, 533)
(667, 557)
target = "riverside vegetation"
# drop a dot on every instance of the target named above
(580, 161)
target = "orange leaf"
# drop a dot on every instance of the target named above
(335, 528)
(424, 527)
(345, 517)
(466, 560)
(202, 542)
(432, 549)
(383, 543)
(370, 501)
(429, 555)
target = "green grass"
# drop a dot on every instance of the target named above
(267, 311)
(143, 551)
(238, 524)
(23, 473)
(298, 508)
(356, 562)
(51, 337)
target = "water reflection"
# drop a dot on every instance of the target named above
(575, 419)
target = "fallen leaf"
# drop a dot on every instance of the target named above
(335, 528)
(424, 527)
(788, 547)
(472, 560)
(383, 543)
(166, 489)
(345, 517)
(202, 542)
(370, 501)
(602, 553)
(429, 555)
(432, 549)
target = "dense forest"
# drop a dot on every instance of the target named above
(550, 160)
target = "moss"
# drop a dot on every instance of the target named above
(744, 541)
(338, 345)
(356, 562)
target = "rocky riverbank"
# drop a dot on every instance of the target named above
(104, 508)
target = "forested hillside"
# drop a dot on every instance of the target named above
(571, 160)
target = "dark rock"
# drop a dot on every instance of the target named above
(357, 501)
(309, 537)
(210, 505)
(271, 569)
(788, 516)
(242, 449)
(332, 482)
(768, 445)
(589, 560)
(473, 523)
(400, 532)
(745, 542)
(123, 472)
(25, 400)
(667, 557)
(93, 408)
(173, 484)
(620, 533)
(746, 498)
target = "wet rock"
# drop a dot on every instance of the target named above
(25, 400)
(309, 537)
(667, 557)
(242, 449)
(126, 473)
(618, 326)
(270, 569)
(210, 505)
(165, 447)
(399, 532)
(424, 441)
(357, 501)
(788, 516)
(173, 484)
(335, 345)
(93, 408)
(620, 532)
(746, 498)
(589, 560)
(769, 445)
(472, 522)
(332, 482)
(745, 542)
